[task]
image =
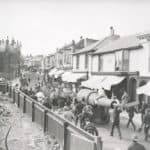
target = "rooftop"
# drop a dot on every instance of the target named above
(127, 42)
(97, 44)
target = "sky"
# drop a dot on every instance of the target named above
(44, 25)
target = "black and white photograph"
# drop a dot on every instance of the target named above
(74, 75)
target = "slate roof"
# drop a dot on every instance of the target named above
(98, 44)
(127, 42)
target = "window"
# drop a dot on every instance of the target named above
(125, 60)
(77, 61)
(100, 63)
(86, 61)
(118, 61)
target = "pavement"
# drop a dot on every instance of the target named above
(24, 134)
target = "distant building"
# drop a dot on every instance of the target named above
(33, 62)
(10, 58)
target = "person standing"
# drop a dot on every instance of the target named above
(131, 112)
(143, 108)
(135, 145)
(116, 121)
(146, 124)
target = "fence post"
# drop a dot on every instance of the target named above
(45, 121)
(99, 143)
(32, 111)
(65, 135)
(9, 90)
(24, 104)
(18, 103)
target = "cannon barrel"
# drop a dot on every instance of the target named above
(93, 98)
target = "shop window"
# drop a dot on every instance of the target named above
(118, 61)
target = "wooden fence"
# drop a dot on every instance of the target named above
(67, 134)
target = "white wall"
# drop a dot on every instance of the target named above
(139, 59)
(82, 62)
(108, 62)
(95, 63)
(74, 59)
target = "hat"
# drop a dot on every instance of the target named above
(135, 138)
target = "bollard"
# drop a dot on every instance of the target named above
(99, 143)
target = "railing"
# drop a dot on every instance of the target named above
(67, 134)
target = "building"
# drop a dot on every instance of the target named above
(83, 59)
(48, 62)
(10, 58)
(33, 62)
(64, 56)
(81, 56)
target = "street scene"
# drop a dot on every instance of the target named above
(75, 75)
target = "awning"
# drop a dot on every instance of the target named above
(145, 89)
(58, 73)
(74, 77)
(110, 81)
(65, 75)
(94, 82)
(52, 72)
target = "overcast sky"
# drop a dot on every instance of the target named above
(44, 25)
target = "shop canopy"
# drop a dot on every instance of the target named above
(110, 81)
(65, 75)
(58, 73)
(94, 82)
(98, 82)
(145, 89)
(74, 77)
(52, 72)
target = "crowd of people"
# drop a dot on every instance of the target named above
(61, 99)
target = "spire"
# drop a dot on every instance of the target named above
(7, 40)
(13, 41)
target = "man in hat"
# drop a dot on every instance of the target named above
(135, 145)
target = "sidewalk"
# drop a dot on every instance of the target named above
(24, 135)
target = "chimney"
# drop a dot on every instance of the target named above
(112, 31)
